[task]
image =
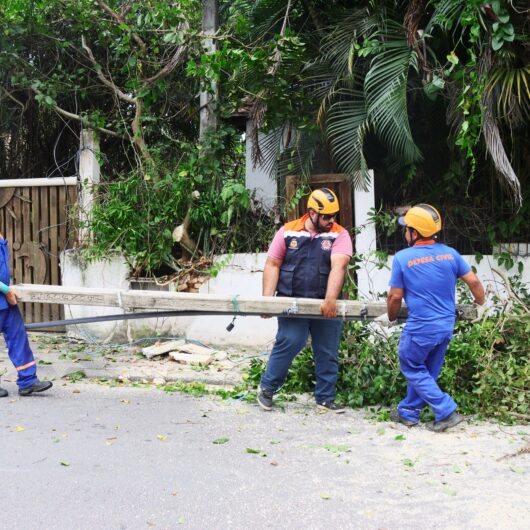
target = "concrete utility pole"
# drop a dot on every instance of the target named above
(208, 98)
(207, 303)
(89, 173)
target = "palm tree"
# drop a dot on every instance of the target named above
(369, 67)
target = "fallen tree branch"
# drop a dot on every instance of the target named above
(138, 138)
(511, 293)
(182, 237)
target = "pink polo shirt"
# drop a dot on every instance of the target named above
(341, 245)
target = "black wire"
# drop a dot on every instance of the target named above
(165, 314)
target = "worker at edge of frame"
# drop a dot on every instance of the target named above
(12, 326)
(308, 258)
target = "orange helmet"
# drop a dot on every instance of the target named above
(424, 218)
(323, 201)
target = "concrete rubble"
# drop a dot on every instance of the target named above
(166, 361)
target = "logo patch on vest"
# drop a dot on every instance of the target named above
(293, 243)
(326, 244)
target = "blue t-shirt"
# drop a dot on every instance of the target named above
(428, 274)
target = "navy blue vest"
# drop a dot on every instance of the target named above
(305, 269)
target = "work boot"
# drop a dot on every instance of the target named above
(264, 399)
(451, 421)
(3, 392)
(39, 386)
(394, 416)
(331, 406)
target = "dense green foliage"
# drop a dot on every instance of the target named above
(432, 94)
(224, 217)
(487, 369)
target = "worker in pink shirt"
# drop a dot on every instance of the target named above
(308, 258)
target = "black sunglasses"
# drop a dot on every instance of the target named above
(328, 217)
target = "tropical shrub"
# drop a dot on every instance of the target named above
(486, 370)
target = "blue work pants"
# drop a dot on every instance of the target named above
(291, 338)
(18, 348)
(421, 358)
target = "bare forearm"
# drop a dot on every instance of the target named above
(393, 306)
(478, 293)
(271, 274)
(393, 303)
(475, 286)
(335, 283)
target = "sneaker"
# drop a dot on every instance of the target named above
(264, 399)
(39, 386)
(451, 421)
(331, 406)
(3, 392)
(394, 416)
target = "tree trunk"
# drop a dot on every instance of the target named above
(208, 98)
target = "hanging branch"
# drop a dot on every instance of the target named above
(137, 136)
(120, 19)
(13, 98)
(258, 107)
(178, 58)
(86, 122)
(107, 82)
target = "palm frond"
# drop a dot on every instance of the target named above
(347, 126)
(298, 157)
(337, 48)
(495, 147)
(270, 149)
(446, 13)
(289, 151)
(267, 16)
(509, 87)
(385, 90)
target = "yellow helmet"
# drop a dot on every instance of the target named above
(323, 201)
(424, 218)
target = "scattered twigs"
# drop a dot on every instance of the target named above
(522, 451)
(511, 293)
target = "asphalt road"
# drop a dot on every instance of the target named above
(90, 456)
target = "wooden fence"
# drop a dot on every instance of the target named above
(34, 218)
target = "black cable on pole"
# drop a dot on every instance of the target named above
(166, 314)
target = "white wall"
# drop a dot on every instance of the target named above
(374, 282)
(256, 178)
(240, 276)
(111, 274)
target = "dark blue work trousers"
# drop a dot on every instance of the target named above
(421, 358)
(291, 338)
(18, 348)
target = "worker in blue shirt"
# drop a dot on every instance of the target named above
(12, 326)
(425, 275)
